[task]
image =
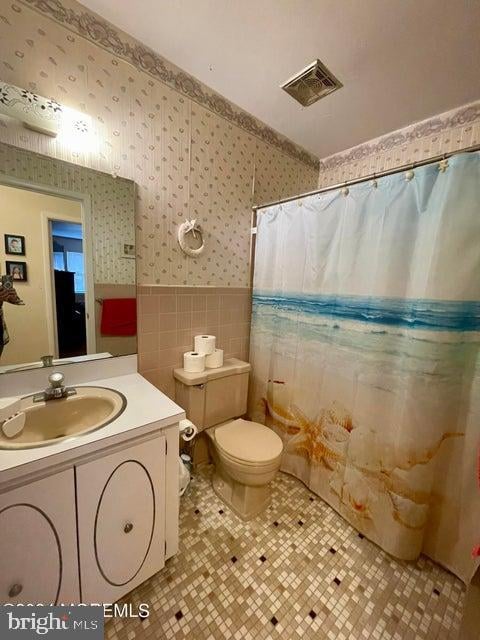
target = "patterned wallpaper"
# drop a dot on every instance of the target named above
(88, 24)
(189, 156)
(112, 199)
(277, 178)
(450, 131)
(221, 170)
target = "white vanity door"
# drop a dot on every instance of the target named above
(121, 520)
(38, 558)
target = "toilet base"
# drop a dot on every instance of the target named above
(246, 501)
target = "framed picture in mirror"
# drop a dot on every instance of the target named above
(14, 244)
(17, 270)
(128, 251)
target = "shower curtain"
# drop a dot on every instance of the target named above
(365, 353)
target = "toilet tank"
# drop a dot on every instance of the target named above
(215, 395)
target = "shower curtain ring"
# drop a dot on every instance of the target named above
(345, 190)
(443, 164)
(410, 174)
(374, 182)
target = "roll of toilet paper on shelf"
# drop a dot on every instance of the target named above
(194, 362)
(215, 359)
(205, 344)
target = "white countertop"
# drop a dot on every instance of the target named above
(147, 410)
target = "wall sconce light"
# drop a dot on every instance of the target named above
(42, 115)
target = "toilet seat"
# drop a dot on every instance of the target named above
(248, 443)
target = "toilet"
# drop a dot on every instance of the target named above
(246, 454)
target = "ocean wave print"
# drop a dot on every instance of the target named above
(424, 314)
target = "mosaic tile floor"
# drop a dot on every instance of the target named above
(297, 571)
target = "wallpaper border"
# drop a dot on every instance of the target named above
(448, 120)
(89, 25)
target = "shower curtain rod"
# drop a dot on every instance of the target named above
(371, 176)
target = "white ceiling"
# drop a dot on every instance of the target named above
(400, 61)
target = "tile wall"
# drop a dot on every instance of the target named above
(172, 316)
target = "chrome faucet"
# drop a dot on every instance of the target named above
(56, 390)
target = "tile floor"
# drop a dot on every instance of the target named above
(297, 571)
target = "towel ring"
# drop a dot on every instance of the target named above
(184, 229)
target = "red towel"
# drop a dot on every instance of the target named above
(119, 317)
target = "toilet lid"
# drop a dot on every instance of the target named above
(248, 441)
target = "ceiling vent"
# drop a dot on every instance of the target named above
(311, 84)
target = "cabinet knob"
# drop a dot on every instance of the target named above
(128, 527)
(15, 590)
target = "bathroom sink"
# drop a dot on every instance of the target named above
(55, 420)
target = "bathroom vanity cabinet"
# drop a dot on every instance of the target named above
(121, 519)
(92, 523)
(38, 540)
(90, 533)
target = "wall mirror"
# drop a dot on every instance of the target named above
(67, 262)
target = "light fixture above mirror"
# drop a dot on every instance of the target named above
(44, 115)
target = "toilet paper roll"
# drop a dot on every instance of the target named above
(215, 359)
(205, 344)
(187, 430)
(194, 362)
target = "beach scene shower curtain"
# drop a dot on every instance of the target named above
(365, 353)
